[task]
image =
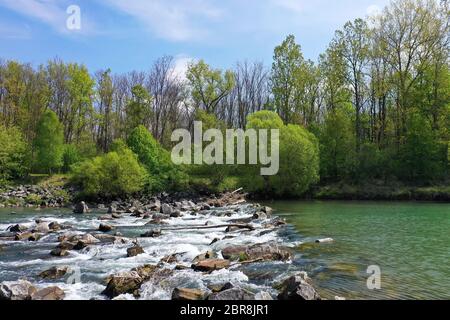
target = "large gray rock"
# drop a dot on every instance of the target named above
(187, 294)
(81, 208)
(235, 293)
(49, 294)
(298, 287)
(166, 209)
(16, 290)
(263, 252)
(54, 273)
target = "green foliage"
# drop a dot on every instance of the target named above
(71, 156)
(208, 86)
(49, 143)
(14, 154)
(337, 145)
(422, 157)
(138, 109)
(299, 159)
(163, 174)
(116, 173)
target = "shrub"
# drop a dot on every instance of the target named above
(117, 173)
(299, 159)
(163, 174)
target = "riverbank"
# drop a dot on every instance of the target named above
(165, 247)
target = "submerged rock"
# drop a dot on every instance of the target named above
(187, 294)
(204, 256)
(16, 290)
(17, 228)
(325, 240)
(154, 233)
(298, 287)
(105, 227)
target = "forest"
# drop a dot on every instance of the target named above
(374, 108)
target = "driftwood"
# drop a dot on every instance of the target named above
(240, 226)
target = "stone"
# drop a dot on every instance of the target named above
(185, 294)
(176, 214)
(298, 287)
(66, 245)
(105, 227)
(58, 252)
(166, 209)
(85, 241)
(262, 252)
(263, 296)
(116, 216)
(16, 290)
(49, 294)
(54, 226)
(105, 218)
(211, 265)
(204, 256)
(41, 227)
(54, 273)
(233, 294)
(112, 209)
(23, 236)
(154, 233)
(121, 283)
(134, 251)
(81, 208)
(17, 228)
(325, 240)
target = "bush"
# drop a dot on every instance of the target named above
(117, 173)
(163, 174)
(299, 159)
(14, 155)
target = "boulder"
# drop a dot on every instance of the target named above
(23, 236)
(166, 209)
(121, 283)
(66, 245)
(154, 233)
(116, 216)
(204, 256)
(41, 227)
(187, 294)
(105, 227)
(131, 281)
(54, 226)
(85, 241)
(263, 296)
(134, 251)
(262, 252)
(58, 252)
(16, 290)
(298, 287)
(49, 294)
(81, 208)
(176, 214)
(105, 218)
(233, 294)
(17, 228)
(54, 273)
(211, 265)
(112, 209)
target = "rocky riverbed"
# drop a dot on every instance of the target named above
(165, 247)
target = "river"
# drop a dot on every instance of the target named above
(409, 242)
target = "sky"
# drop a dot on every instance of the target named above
(127, 35)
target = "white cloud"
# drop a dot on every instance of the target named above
(180, 66)
(11, 31)
(47, 11)
(176, 20)
(373, 10)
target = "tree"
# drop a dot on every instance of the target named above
(14, 154)
(208, 86)
(162, 173)
(117, 173)
(138, 110)
(299, 159)
(49, 143)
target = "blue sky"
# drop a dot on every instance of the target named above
(129, 34)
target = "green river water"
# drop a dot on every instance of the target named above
(410, 242)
